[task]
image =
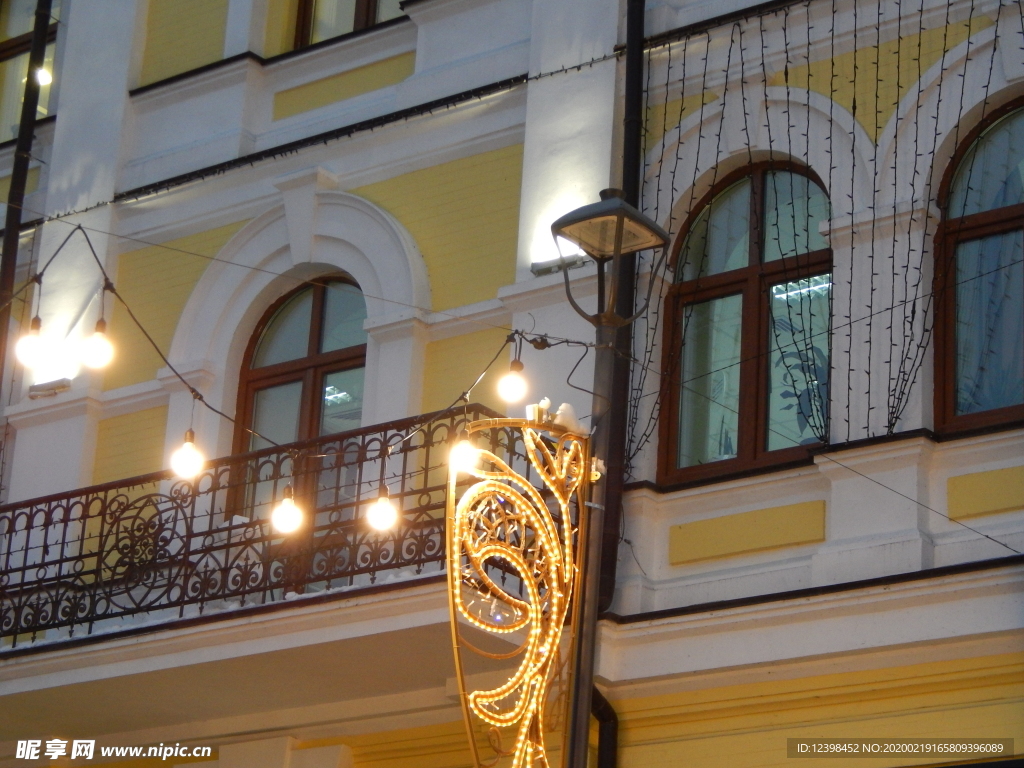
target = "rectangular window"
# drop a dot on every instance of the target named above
(342, 408)
(990, 323)
(276, 414)
(325, 19)
(798, 364)
(709, 397)
(16, 20)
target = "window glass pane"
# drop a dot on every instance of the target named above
(12, 90)
(709, 400)
(794, 207)
(388, 9)
(344, 313)
(992, 173)
(990, 323)
(332, 18)
(798, 340)
(718, 240)
(275, 414)
(287, 334)
(17, 17)
(343, 401)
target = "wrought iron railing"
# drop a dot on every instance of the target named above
(94, 559)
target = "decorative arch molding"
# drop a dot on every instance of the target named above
(314, 230)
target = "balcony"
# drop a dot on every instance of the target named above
(154, 549)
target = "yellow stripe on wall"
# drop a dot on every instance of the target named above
(182, 35)
(130, 445)
(344, 85)
(452, 365)
(156, 282)
(753, 531)
(464, 216)
(31, 185)
(985, 493)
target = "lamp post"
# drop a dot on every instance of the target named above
(606, 231)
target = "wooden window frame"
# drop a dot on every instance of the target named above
(753, 283)
(13, 47)
(310, 369)
(951, 233)
(365, 17)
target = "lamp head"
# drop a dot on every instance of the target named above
(609, 228)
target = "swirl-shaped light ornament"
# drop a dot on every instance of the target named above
(502, 533)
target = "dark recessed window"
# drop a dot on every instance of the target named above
(747, 340)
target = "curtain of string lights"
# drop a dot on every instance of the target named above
(873, 98)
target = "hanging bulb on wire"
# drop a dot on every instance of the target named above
(187, 461)
(97, 351)
(463, 456)
(382, 514)
(29, 349)
(512, 387)
(286, 517)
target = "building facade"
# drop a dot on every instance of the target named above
(318, 224)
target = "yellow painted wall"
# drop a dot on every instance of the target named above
(31, 185)
(464, 216)
(759, 529)
(746, 726)
(344, 85)
(156, 281)
(182, 35)
(662, 117)
(130, 445)
(452, 365)
(879, 69)
(985, 493)
(280, 31)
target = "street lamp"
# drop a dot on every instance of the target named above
(606, 231)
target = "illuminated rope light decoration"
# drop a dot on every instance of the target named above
(503, 535)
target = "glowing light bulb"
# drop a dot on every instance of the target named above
(43, 76)
(97, 351)
(382, 514)
(512, 386)
(286, 517)
(463, 456)
(187, 461)
(30, 348)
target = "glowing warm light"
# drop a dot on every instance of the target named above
(97, 351)
(464, 456)
(382, 514)
(286, 517)
(30, 348)
(543, 557)
(187, 461)
(43, 76)
(512, 387)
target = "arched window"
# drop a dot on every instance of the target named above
(303, 371)
(980, 280)
(748, 328)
